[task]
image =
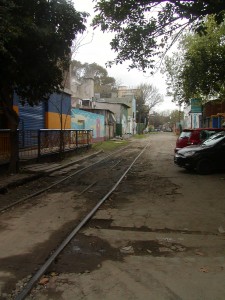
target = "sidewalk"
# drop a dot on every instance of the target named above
(34, 171)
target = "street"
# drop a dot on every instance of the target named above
(160, 235)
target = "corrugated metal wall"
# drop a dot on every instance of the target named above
(58, 103)
(52, 114)
(32, 117)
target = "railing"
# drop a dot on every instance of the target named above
(37, 143)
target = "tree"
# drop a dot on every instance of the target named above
(203, 71)
(36, 37)
(173, 67)
(145, 29)
(142, 109)
(151, 95)
(147, 98)
(197, 71)
(176, 116)
(95, 71)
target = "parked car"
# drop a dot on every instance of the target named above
(204, 158)
(194, 136)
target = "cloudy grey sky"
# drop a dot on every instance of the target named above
(94, 47)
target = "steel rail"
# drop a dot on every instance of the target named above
(2, 210)
(51, 259)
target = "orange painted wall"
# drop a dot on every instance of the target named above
(16, 108)
(53, 121)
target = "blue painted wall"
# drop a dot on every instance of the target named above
(81, 119)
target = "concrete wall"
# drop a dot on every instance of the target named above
(83, 89)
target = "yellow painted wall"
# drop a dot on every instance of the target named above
(16, 108)
(53, 121)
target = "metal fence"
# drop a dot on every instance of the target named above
(4, 145)
(37, 143)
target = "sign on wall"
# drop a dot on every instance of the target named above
(196, 105)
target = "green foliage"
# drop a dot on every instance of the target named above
(203, 69)
(197, 71)
(139, 136)
(145, 29)
(95, 71)
(173, 67)
(35, 50)
(109, 145)
(176, 116)
(159, 120)
(36, 37)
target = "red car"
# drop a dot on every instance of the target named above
(194, 136)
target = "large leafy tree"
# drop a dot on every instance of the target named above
(145, 29)
(36, 37)
(203, 72)
(95, 71)
(173, 67)
(198, 69)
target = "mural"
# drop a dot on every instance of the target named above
(81, 119)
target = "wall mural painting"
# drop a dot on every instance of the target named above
(81, 119)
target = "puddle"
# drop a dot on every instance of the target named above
(85, 254)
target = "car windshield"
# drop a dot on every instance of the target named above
(185, 134)
(214, 139)
(205, 134)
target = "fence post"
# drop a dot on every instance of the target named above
(76, 138)
(39, 144)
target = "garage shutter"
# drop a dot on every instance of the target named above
(215, 122)
(32, 117)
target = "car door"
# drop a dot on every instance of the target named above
(219, 155)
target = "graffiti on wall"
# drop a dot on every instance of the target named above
(81, 119)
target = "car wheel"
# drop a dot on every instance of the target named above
(204, 167)
(189, 168)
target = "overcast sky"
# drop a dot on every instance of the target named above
(95, 48)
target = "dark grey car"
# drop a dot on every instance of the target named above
(204, 158)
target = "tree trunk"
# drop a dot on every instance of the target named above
(6, 98)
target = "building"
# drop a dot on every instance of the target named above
(109, 121)
(208, 115)
(213, 113)
(120, 114)
(54, 113)
(82, 119)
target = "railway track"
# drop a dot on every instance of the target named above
(153, 237)
(26, 192)
(95, 182)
